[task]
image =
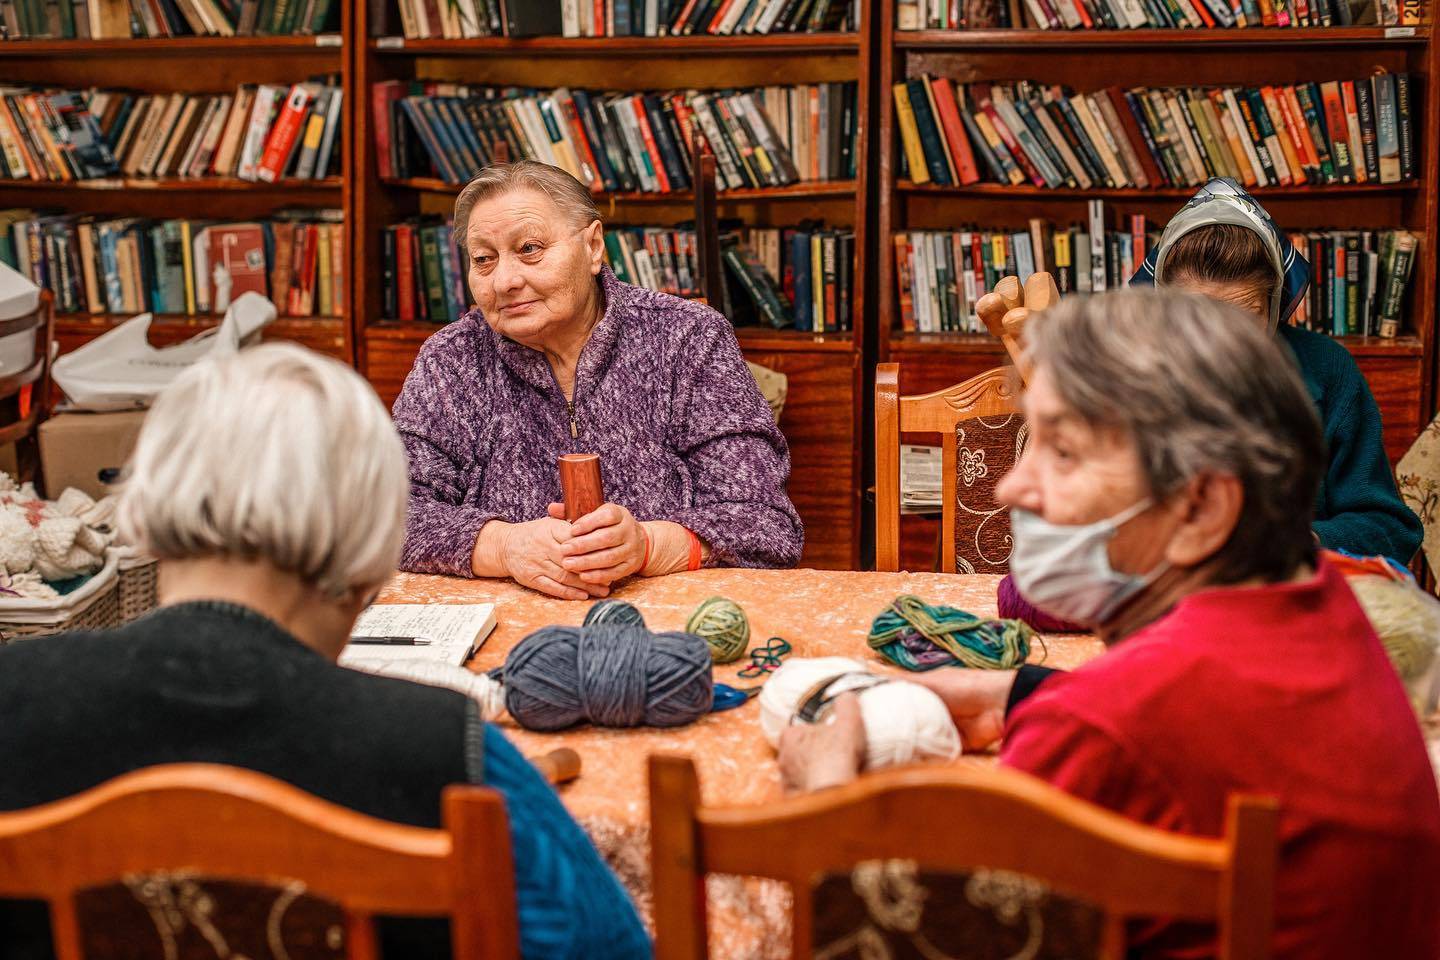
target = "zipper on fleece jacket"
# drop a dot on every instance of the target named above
(574, 424)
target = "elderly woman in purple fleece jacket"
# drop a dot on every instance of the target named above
(561, 357)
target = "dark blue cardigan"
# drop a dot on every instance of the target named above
(1358, 508)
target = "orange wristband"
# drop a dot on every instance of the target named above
(696, 555)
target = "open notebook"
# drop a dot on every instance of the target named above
(454, 632)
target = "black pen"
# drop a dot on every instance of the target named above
(394, 641)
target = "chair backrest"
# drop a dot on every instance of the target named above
(980, 435)
(39, 325)
(954, 819)
(205, 820)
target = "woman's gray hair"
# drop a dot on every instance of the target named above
(1202, 389)
(571, 196)
(273, 453)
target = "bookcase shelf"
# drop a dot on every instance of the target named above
(173, 46)
(823, 410)
(751, 338)
(328, 335)
(179, 185)
(766, 45)
(1030, 191)
(1189, 40)
(904, 342)
(797, 191)
(192, 65)
(1401, 371)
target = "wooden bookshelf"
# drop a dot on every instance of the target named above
(188, 65)
(822, 418)
(763, 46)
(1251, 38)
(1400, 371)
(170, 46)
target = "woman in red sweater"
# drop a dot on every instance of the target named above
(1162, 501)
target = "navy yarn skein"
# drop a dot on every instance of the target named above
(612, 676)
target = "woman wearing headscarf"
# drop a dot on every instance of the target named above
(1224, 245)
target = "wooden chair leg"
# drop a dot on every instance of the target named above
(676, 877)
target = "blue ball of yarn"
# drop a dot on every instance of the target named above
(611, 676)
(615, 613)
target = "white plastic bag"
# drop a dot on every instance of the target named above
(120, 370)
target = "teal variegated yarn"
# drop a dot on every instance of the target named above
(723, 625)
(615, 613)
(912, 634)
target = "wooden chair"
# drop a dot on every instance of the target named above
(214, 821)
(25, 393)
(960, 819)
(984, 404)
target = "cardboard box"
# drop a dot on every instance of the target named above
(76, 447)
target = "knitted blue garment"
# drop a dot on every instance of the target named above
(1358, 507)
(570, 904)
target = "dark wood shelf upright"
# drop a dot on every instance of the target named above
(822, 417)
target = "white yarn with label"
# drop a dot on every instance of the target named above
(904, 722)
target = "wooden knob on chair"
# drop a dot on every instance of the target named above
(1041, 292)
(558, 766)
(1008, 289)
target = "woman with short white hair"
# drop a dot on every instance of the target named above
(272, 487)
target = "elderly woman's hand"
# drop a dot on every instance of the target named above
(532, 554)
(606, 545)
(814, 756)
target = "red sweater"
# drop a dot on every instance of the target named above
(1283, 690)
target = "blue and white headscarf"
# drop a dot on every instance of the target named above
(1223, 201)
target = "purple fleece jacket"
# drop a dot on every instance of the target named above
(662, 394)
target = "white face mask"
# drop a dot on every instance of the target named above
(1065, 570)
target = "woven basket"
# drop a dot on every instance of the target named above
(139, 580)
(95, 606)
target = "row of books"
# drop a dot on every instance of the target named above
(1358, 287)
(1338, 131)
(120, 19)
(456, 19)
(128, 265)
(1157, 14)
(795, 277)
(261, 132)
(1360, 280)
(801, 277)
(764, 137)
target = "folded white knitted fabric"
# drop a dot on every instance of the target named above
(57, 540)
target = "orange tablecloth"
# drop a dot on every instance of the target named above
(821, 613)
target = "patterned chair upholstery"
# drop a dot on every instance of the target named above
(890, 909)
(986, 448)
(186, 916)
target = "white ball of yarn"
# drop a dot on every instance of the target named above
(904, 722)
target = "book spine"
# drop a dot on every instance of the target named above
(915, 160)
(1405, 126)
(1365, 116)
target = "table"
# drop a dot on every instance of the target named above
(821, 613)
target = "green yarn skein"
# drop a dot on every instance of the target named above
(912, 634)
(723, 625)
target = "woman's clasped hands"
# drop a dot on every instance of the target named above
(570, 561)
